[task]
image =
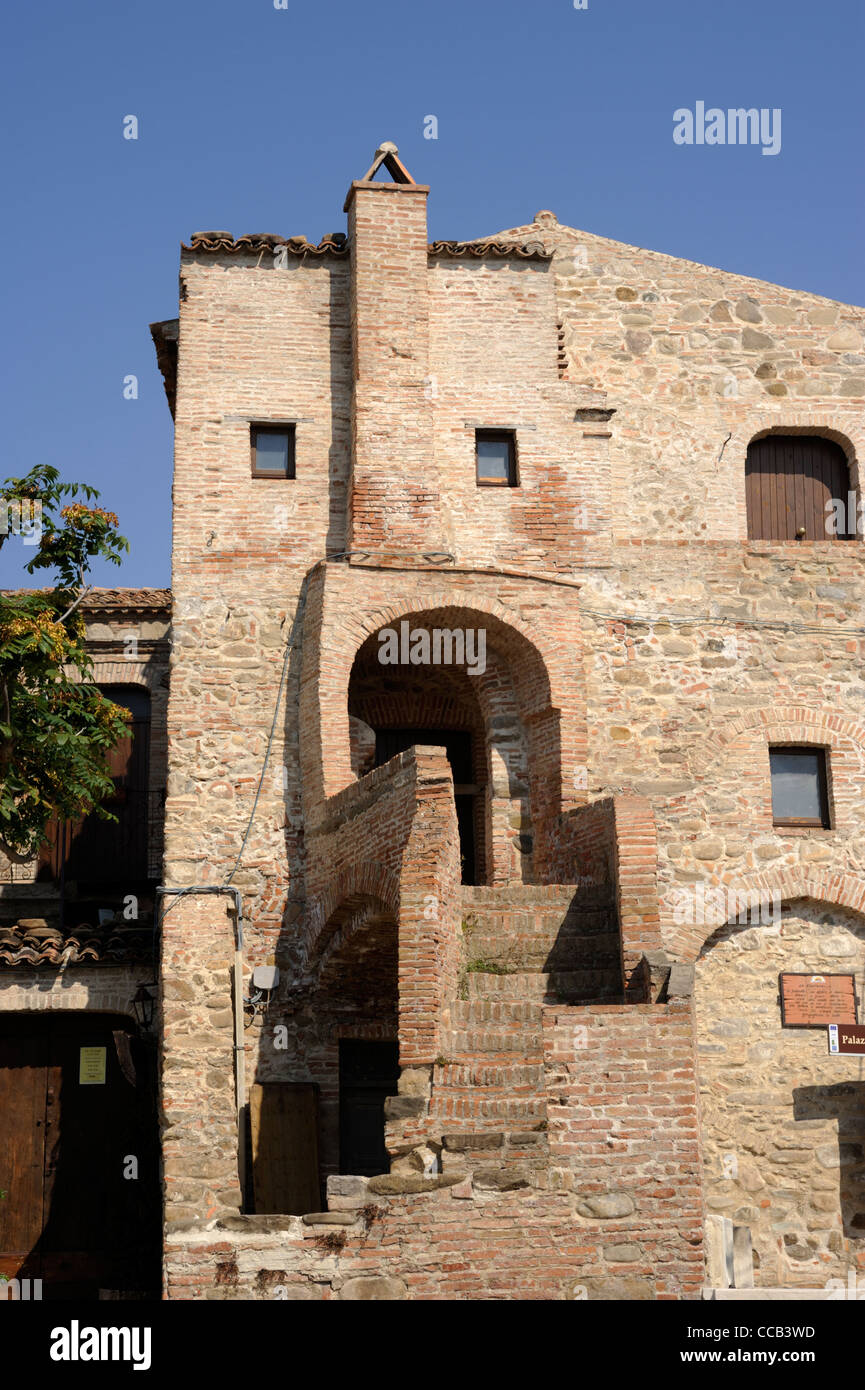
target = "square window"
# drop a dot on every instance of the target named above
(799, 795)
(272, 451)
(496, 455)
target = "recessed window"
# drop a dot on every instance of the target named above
(496, 453)
(799, 795)
(272, 451)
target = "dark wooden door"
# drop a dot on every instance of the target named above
(78, 1160)
(368, 1074)
(22, 1151)
(284, 1129)
(789, 479)
(457, 744)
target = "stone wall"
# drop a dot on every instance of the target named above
(783, 1122)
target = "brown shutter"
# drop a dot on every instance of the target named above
(789, 479)
(284, 1124)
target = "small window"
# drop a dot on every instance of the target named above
(799, 795)
(496, 453)
(272, 451)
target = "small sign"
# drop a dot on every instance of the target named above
(815, 1001)
(91, 1066)
(844, 1037)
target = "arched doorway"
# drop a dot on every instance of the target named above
(341, 1053)
(441, 678)
(783, 1121)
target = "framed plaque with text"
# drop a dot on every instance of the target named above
(814, 1001)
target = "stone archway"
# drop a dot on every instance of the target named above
(783, 1122)
(345, 1015)
(474, 713)
(348, 607)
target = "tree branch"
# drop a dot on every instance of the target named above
(13, 855)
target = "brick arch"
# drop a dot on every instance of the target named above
(831, 886)
(350, 890)
(79, 989)
(543, 667)
(829, 424)
(119, 672)
(744, 742)
(793, 723)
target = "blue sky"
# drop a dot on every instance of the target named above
(256, 119)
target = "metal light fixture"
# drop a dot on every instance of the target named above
(144, 1005)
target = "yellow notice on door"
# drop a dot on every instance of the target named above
(91, 1066)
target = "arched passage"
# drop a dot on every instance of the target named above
(342, 1033)
(783, 1121)
(463, 679)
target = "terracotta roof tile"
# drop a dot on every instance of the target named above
(337, 245)
(526, 250)
(127, 599)
(31, 941)
(101, 600)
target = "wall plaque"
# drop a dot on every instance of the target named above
(91, 1066)
(814, 1001)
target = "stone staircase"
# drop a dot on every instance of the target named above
(524, 946)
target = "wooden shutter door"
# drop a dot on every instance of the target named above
(22, 1150)
(284, 1123)
(788, 481)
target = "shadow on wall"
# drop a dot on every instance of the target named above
(845, 1102)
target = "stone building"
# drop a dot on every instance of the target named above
(517, 719)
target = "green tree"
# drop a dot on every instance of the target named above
(56, 729)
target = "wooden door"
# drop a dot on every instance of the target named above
(789, 479)
(77, 1218)
(284, 1125)
(368, 1074)
(23, 1073)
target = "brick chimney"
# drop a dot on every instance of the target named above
(394, 494)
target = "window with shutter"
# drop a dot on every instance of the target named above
(798, 488)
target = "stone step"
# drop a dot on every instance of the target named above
(556, 987)
(515, 1012)
(526, 895)
(479, 1112)
(583, 922)
(546, 952)
(510, 1078)
(463, 1044)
